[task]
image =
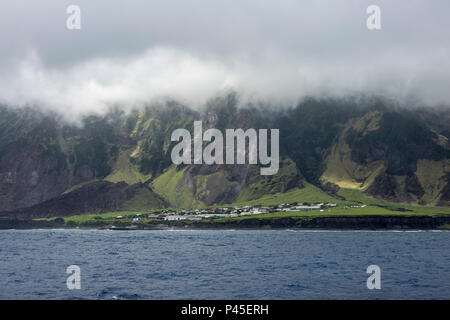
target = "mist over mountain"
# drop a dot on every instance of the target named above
(278, 52)
(327, 145)
(87, 114)
(161, 74)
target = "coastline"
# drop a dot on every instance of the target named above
(354, 222)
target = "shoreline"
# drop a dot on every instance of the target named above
(362, 222)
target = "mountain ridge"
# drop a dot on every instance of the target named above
(390, 153)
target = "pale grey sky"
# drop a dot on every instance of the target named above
(135, 51)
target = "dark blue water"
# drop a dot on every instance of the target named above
(231, 264)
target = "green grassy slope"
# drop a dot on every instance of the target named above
(309, 193)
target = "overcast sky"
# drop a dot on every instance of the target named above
(136, 51)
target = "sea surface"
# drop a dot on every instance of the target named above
(224, 264)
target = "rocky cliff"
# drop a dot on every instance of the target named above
(104, 162)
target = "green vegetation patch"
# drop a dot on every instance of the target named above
(124, 170)
(309, 193)
(174, 189)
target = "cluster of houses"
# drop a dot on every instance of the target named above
(228, 212)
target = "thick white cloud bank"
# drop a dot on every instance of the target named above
(276, 51)
(162, 73)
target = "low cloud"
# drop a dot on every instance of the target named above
(161, 73)
(275, 51)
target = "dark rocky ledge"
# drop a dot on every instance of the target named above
(366, 222)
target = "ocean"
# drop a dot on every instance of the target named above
(224, 264)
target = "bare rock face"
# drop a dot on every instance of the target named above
(48, 166)
(386, 187)
(30, 175)
(445, 197)
(40, 158)
(390, 155)
(221, 184)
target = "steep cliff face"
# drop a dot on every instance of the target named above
(206, 185)
(40, 158)
(388, 153)
(33, 168)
